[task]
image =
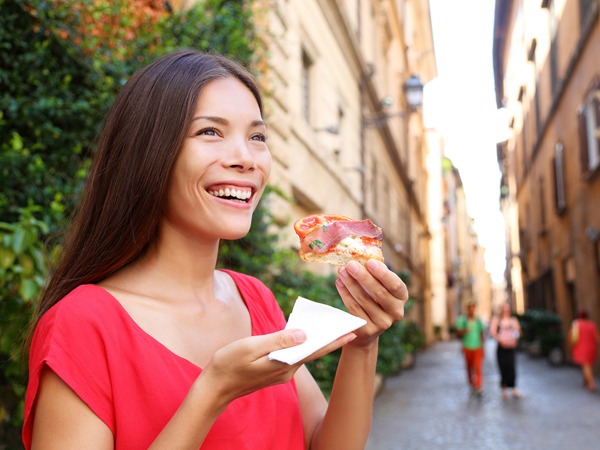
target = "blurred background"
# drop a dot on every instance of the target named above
(469, 131)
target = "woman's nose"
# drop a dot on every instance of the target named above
(240, 156)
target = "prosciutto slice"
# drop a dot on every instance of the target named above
(323, 237)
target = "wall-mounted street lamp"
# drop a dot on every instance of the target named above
(413, 90)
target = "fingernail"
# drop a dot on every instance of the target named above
(352, 266)
(373, 264)
(352, 338)
(343, 272)
(339, 283)
(299, 336)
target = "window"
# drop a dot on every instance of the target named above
(386, 200)
(306, 66)
(585, 10)
(560, 199)
(589, 130)
(553, 24)
(531, 58)
(374, 184)
(543, 229)
(524, 144)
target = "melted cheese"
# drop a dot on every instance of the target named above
(351, 244)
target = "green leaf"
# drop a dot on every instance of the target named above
(26, 262)
(40, 260)
(316, 242)
(29, 289)
(18, 241)
(7, 257)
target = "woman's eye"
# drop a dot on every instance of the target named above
(207, 132)
(259, 137)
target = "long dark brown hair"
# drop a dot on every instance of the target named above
(126, 190)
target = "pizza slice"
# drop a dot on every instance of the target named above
(338, 240)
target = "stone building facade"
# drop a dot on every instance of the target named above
(342, 136)
(467, 279)
(437, 245)
(547, 72)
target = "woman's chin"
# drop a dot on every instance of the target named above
(233, 234)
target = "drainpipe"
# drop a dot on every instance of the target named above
(363, 126)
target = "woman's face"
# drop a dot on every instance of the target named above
(224, 164)
(506, 310)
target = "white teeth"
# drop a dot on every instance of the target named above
(240, 194)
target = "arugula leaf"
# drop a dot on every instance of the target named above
(316, 242)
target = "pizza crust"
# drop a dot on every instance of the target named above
(339, 256)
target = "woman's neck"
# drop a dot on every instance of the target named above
(176, 267)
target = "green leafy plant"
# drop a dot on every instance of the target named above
(22, 272)
(61, 66)
(543, 327)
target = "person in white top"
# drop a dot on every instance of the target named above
(506, 330)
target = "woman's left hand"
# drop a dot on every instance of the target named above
(375, 294)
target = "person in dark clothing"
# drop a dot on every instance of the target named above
(506, 330)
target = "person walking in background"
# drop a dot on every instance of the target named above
(583, 338)
(470, 329)
(506, 330)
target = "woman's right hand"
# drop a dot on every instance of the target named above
(243, 366)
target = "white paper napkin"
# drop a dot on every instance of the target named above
(322, 325)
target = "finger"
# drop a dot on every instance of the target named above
(338, 343)
(355, 293)
(377, 290)
(387, 278)
(265, 344)
(353, 306)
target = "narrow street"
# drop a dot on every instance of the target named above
(429, 407)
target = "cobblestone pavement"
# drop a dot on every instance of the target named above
(429, 407)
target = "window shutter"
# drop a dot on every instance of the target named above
(559, 180)
(555, 172)
(596, 110)
(583, 140)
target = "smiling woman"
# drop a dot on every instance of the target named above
(139, 343)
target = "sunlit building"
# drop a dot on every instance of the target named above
(547, 72)
(466, 275)
(437, 246)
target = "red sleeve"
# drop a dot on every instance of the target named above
(70, 340)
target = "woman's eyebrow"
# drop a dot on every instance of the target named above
(222, 121)
(216, 119)
(258, 123)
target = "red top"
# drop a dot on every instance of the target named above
(585, 350)
(135, 384)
